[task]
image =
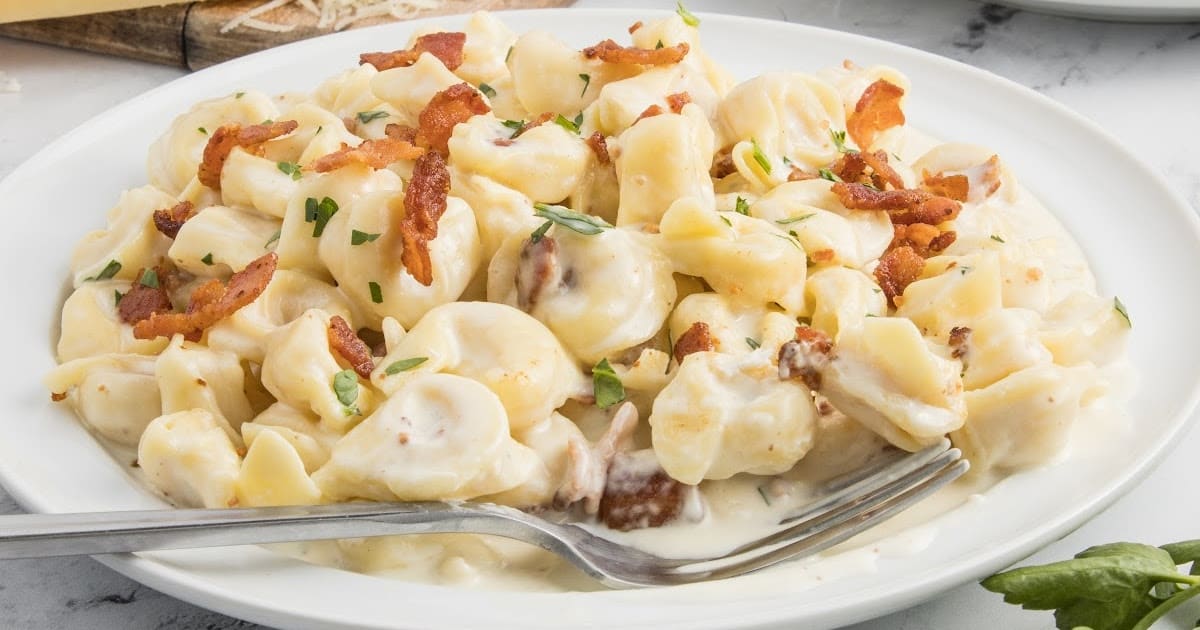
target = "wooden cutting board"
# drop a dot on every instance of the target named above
(189, 35)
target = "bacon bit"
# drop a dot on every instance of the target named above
(991, 175)
(401, 132)
(884, 174)
(222, 142)
(852, 168)
(927, 240)
(798, 175)
(723, 165)
(587, 466)
(959, 336)
(58, 396)
(804, 356)
(170, 220)
(653, 110)
(347, 344)
(904, 206)
(634, 27)
(678, 100)
(537, 268)
(446, 109)
(822, 256)
(698, 338)
(141, 302)
(424, 205)
(211, 302)
(503, 142)
(609, 51)
(955, 187)
(897, 269)
(599, 146)
(877, 109)
(636, 498)
(377, 154)
(447, 47)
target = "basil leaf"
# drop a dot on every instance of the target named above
(578, 222)
(606, 386)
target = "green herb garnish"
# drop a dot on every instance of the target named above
(110, 270)
(358, 238)
(568, 218)
(741, 207)
(487, 90)
(516, 125)
(538, 234)
(760, 157)
(1119, 586)
(274, 239)
(207, 259)
(791, 240)
(345, 387)
(404, 365)
(376, 292)
(829, 175)
(658, 45)
(290, 168)
(789, 220)
(202, 130)
(239, 95)
(687, 16)
(569, 125)
(997, 239)
(839, 141)
(726, 220)
(324, 211)
(1121, 310)
(366, 117)
(606, 386)
(762, 492)
(753, 343)
(149, 278)
(587, 80)
(117, 295)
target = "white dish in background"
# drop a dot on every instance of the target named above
(1115, 10)
(1135, 231)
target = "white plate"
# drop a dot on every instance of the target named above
(1142, 240)
(1121, 10)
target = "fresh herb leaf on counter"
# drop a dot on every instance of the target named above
(568, 218)
(1120, 586)
(606, 385)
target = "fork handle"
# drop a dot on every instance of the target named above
(44, 535)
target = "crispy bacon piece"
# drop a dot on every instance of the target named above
(424, 204)
(804, 356)
(446, 109)
(904, 206)
(678, 100)
(537, 269)
(347, 344)
(169, 220)
(897, 269)
(143, 301)
(599, 146)
(799, 175)
(853, 168)
(587, 465)
(211, 302)
(959, 337)
(222, 142)
(609, 51)
(698, 338)
(883, 173)
(723, 165)
(401, 132)
(653, 110)
(878, 109)
(377, 154)
(927, 240)
(991, 175)
(634, 27)
(955, 187)
(447, 47)
(640, 494)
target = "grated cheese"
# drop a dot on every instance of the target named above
(334, 14)
(9, 84)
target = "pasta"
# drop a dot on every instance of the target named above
(609, 282)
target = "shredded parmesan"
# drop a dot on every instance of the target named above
(9, 84)
(331, 14)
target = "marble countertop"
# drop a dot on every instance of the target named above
(1139, 81)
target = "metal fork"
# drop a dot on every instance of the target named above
(850, 506)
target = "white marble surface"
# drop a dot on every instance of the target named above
(1140, 81)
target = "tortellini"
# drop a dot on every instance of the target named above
(92, 326)
(735, 328)
(129, 243)
(546, 163)
(649, 183)
(191, 376)
(115, 394)
(188, 457)
(219, 240)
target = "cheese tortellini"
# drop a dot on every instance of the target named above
(613, 282)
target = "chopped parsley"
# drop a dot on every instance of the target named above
(516, 125)
(110, 270)
(487, 90)
(569, 125)
(117, 295)
(508, 55)
(727, 221)
(606, 386)
(997, 239)
(789, 220)
(345, 387)
(839, 141)
(202, 130)
(319, 213)
(1120, 308)
(760, 157)
(753, 343)
(829, 175)
(366, 117)
(207, 259)
(790, 240)
(587, 80)
(239, 95)
(290, 168)
(274, 239)
(688, 18)
(149, 279)
(741, 207)
(963, 270)
(376, 292)
(658, 45)
(568, 218)
(358, 238)
(404, 365)
(538, 234)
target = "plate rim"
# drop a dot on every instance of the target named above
(201, 591)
